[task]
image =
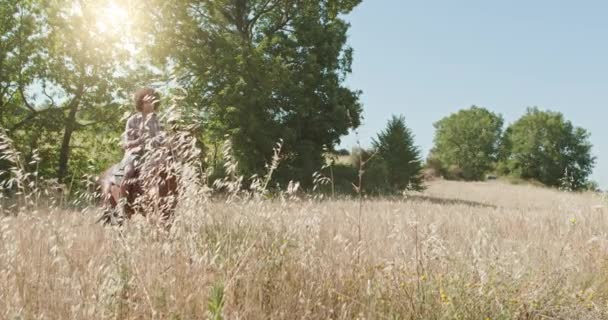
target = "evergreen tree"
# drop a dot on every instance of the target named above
(395, 147)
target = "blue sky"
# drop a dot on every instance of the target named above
(427, 59)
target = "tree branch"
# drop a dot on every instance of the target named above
(285, 19)
(36, 113)
(92, 123)
(27, 104)
(10, 98)
(33, 115)
(48, 96)
(264, 10)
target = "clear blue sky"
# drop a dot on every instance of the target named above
(427, 59)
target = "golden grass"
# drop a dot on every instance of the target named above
(459, 251)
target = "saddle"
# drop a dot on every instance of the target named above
(118, 170)
(118, 173)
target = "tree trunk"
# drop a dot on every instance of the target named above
(1, 111)
(70, 125)
(4, 91)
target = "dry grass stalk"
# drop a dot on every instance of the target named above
(467, 250)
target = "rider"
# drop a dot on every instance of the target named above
(142, 127)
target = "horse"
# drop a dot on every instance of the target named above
(156, 190)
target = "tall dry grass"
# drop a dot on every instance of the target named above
(459, 251)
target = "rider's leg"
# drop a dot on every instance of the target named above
(123, 204)
(129, 175)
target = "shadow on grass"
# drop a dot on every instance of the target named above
(448, 201)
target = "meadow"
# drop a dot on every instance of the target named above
(457, 251)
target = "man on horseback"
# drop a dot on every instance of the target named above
(142, 128)
(144, 169)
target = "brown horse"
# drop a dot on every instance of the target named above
(156, 190)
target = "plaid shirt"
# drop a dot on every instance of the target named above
(139, 130)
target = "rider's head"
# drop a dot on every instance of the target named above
(146, 98)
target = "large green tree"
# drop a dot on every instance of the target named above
(396, 148)
(467, 142)
(64, 68)
(84, 67)
(544, 146)
(263, 70)
(21, 56)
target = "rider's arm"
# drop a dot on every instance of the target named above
(156, 131)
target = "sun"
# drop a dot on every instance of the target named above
(112, 18)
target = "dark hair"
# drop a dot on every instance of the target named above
(144, 92)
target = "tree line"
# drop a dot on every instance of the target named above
(541, 146)
(255, 72)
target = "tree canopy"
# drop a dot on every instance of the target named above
(467, 142)
(544, 146)
(264, 70)
(256, 71)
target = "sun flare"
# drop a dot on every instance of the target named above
(113, 18)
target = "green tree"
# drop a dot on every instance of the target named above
(21, 54)
(261, 70)
(84, 66)
(61, 78)
(467, 142)
(396, 148)
(374, 178)
(544, 146)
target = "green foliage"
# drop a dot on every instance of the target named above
(467, 142)
(400, 156)
(375, 172)
(62, 83)
(254, 70)
(544, 146)
(59, 83)
(344, 176)
(19, 57)
(592, 186)
(264, 70)
(215, 302)
(83, 67)
(434, 167)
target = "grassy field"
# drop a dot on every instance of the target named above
(457, 251)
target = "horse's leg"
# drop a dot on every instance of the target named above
(150, 199)
(114, 201)
(132, 193)
(110, 194)
(114, 196)
(168, 199)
